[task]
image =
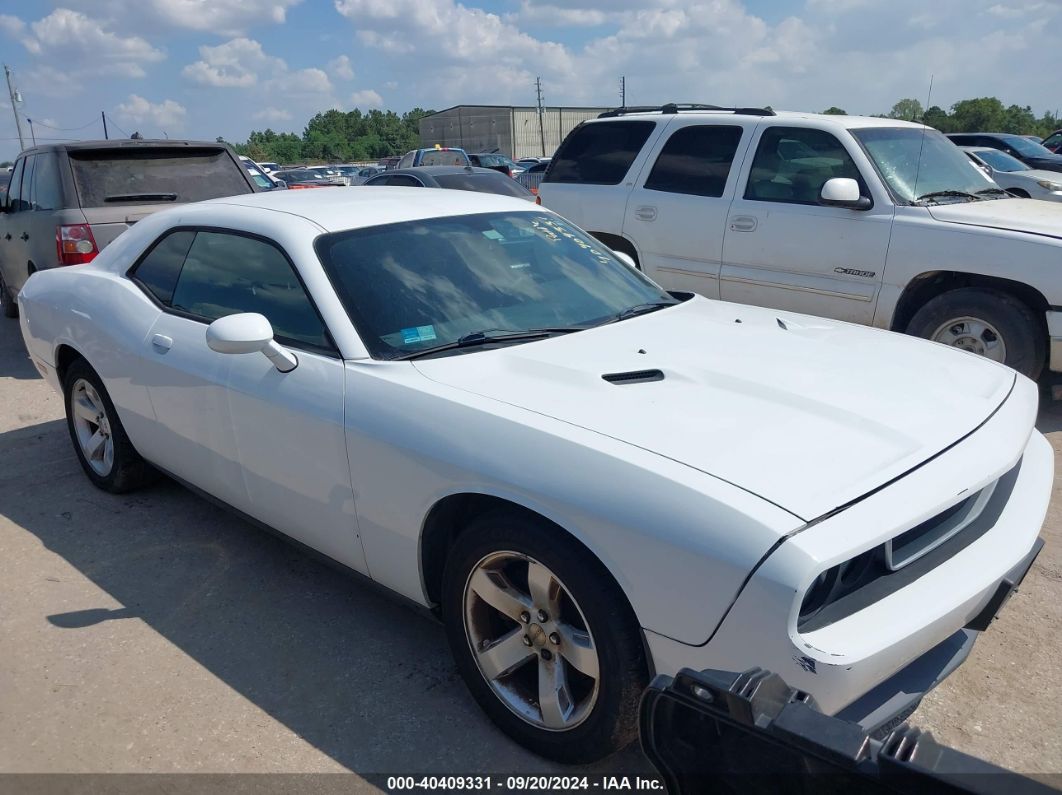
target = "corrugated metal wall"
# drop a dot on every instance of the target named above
(513, 131)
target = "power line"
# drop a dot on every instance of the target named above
(66, 129)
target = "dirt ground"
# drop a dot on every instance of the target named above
(154, 632)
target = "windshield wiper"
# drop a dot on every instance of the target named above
(993, 191)
(640, 309)
(937, 194)
(143, 197)
(489, 337)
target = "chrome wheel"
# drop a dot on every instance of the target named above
(92, 427)
(974, 335)
(531, 641)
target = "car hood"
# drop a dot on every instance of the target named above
(1021, 215)
(1036, 174)
(807, 413)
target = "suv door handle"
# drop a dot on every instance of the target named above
(743, 223)
(24, 236)
(7, 236)
(645, 213)
(162, 343)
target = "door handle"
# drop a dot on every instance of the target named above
(24, 236)
(7, 236)
(645, 213)
(162, 343)
(743, 223)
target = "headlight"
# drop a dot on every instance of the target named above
(1048, 185)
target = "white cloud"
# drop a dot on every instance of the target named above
(220, 17)
(555, 16)
(83, 46)
(301, 82)
(11, 26)
(340, 68)
(272, 114)
(366, 98)
(165, 115)
(234, 64)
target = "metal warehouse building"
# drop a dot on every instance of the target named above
(513, 131)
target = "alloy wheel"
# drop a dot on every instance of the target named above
(530, 641)
(92, 427)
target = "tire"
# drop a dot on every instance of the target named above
(591, 622)
(8, 305)
(953, 318)
(118, 470)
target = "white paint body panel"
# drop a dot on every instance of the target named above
(681, 487)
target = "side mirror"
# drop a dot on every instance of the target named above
(843, 192)
(249, 332)
(625, 258)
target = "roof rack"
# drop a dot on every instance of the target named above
(675, 107)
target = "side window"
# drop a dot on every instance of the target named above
(599, 153)
(793, 163)
(227, 273)
(13, 186)
(47, 190)
(696, 160)
(26, 192)
(157, 272)
(405, 181)
(407, 160)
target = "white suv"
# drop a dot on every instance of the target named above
(867, 220)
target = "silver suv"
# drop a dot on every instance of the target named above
(66, 202)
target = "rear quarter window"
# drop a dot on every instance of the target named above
(155, 175)
(599, 153)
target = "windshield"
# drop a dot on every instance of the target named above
(944, 167)
(1025, 147)
(1001, 161)
(421, 284)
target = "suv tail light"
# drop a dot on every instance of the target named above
(74, 244)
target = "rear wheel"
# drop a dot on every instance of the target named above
(100, 441)
(544, 638)
(991, 323)
(8, 305)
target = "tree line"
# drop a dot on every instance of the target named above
(335, 136)
(984, 114)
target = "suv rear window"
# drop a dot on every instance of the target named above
(443, 157)
(599, 154)
(155, 175)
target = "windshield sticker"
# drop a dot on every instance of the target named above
(493, 234)
(418, 334)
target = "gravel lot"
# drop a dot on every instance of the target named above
(154, 632)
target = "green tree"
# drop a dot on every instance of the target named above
(833, 110)
(938, 118)
(906, 109)
(985, 114)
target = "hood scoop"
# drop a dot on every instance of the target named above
(633, 377)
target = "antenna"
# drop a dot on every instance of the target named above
(922, 142)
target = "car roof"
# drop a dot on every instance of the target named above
(436, 171)
(124, 143)
(361, 206)
(779, 117)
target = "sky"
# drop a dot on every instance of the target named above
(204, 68)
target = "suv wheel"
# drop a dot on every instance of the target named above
(7, 301)
(991, 323)
(543, 637)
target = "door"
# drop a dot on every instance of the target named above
(784, 250)
(45, 204)
(676, 215)
(280, 445)
(12, 246)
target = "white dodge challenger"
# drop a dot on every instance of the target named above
(590, 480)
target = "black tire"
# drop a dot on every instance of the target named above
(1026, 348)
(611, 723)
(128, 471)
(8, 304)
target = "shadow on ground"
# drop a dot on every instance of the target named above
(366, 680)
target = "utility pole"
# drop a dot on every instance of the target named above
(541, 120)
(14, 108)
(103, 115)
(623, 91)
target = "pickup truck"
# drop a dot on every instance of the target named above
(865, 220)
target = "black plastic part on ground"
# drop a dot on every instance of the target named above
(721, 732)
